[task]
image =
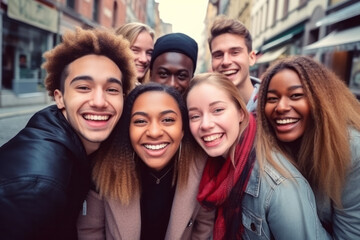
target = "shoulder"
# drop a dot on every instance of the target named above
(45, 148)
(354, 138)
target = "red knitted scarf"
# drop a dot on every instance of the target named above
(218, 183)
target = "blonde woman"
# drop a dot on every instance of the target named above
(141, 38)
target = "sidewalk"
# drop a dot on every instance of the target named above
(21, 110)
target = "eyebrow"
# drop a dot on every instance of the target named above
(89, 78)
(211, 104)
(289, 88)
(147, 115)
(231, 49)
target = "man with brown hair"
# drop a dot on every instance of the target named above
(45, 169)
(230, 45)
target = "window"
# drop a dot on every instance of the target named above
(95, 13)
(275, 12)
(286, 8)
(115, 13)
(70, 4)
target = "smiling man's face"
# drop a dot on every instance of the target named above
(92, 100)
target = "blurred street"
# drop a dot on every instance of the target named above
(13, 119)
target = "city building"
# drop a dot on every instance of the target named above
(30, 27)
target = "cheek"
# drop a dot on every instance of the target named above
(268, 110)
(193, 128)
(134, 135)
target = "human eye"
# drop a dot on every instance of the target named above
(297, 96)
(135, 50)
(217, 110)
(83, 88)
(217, 55)
(149, 53)
(163, 74)
(114, 90)
(271, 99)
(194, 117)
(139, 121)
(168, 120)
(183, 76)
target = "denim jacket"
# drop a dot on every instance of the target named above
(277, 207)
(344, 223)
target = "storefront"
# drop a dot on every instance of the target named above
(28, 30)
(339, 50)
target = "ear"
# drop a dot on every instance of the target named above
(252, 58)
(241, 115)
(59, 99)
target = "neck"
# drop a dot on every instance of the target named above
(246, 89)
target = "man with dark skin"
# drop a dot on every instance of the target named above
(173, 60)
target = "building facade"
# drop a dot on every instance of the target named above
(30, 27)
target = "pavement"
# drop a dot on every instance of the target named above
(21, 110)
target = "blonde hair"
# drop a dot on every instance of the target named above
(221, 82)
(131, 31)
(83, 42)
(324, 155)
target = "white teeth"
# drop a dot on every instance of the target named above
(286, 121)
(96, 117)
(212, 137)
(155, 147)
(229, 72)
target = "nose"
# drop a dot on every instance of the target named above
(143, 57)
(154, 130)
(173, 82)
(226, 60)
(283, 105)
(98, 99)
(206, 122)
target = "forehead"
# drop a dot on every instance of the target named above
(155, 101)
(285, 78)
(143, 37)
(208, 92)
(227, 41)
(173, 60)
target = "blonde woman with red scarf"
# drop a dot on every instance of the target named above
(251, 202)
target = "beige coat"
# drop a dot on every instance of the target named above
(108, 219)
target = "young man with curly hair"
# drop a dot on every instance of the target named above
(45, 169)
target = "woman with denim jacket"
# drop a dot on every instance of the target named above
(252, 202)
(307, 114)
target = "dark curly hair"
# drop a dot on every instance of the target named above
(83, 42)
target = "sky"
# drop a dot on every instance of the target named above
(186, 16)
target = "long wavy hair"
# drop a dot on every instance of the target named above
(131, 31)
(115, 171)
(324, 154)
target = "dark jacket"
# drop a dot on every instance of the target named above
(44, 178)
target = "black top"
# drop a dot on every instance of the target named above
(44, 179)
(156, 201)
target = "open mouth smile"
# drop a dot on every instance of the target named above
(286, 121)
(155, 146)
(213, 137)
(93, 117)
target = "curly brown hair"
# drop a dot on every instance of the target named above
(83, 42)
